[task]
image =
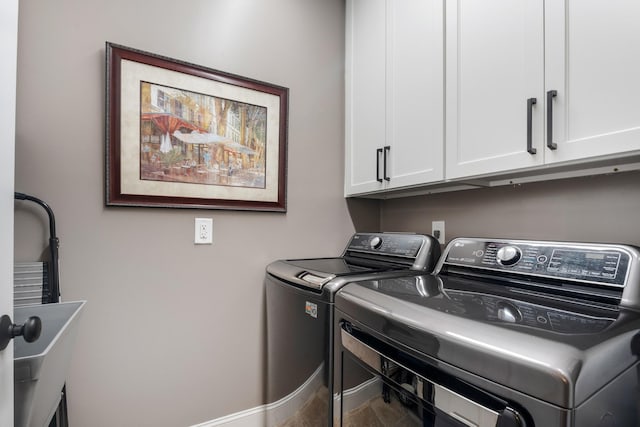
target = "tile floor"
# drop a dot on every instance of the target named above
(374, 413)
(377, 413)
(313, 413)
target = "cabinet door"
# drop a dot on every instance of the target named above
(415, 91)
(365, 94)
(593, 62)
(495, 53)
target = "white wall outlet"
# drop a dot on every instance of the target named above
(204, 231)
(437, 231)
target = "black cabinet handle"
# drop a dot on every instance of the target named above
(378, 152)
(550, 95)
(384, 173)
(530, 103)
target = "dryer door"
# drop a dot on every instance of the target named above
(393, 393)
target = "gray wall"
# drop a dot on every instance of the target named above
(594, 209)
(173, 334)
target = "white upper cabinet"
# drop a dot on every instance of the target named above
(522, 88)
(495, 65)
(578, 59)
(394, 94)
(365, 95)
(593, 64)
(415, 91)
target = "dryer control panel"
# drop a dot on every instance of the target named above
(599, 264)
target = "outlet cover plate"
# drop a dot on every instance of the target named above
(203, 231)
(437, 231)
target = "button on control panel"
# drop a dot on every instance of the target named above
(508, 255)
(375, 242)
(594, 263)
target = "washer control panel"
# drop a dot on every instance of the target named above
(593, 263)
(403, 245)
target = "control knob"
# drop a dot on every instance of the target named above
(508, 255)
(508, 312)
(375, 242)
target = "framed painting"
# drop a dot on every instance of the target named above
(181, 135)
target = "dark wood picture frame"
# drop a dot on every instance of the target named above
(235, 173)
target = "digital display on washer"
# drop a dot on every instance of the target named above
(588, 264)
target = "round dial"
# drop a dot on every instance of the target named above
(508, 312)
(375, 242)
(508, 255)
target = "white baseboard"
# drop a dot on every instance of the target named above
(254, 417)
(285, 408)
(277, 412)
(274, 413)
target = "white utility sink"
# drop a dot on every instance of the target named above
(40, 367)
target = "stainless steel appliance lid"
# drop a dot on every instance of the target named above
(557, 364)
(337, 266)
(365, 253)
(317, 272)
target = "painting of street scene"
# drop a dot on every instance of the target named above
(189, 137)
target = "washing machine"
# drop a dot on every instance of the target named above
(300, 296)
